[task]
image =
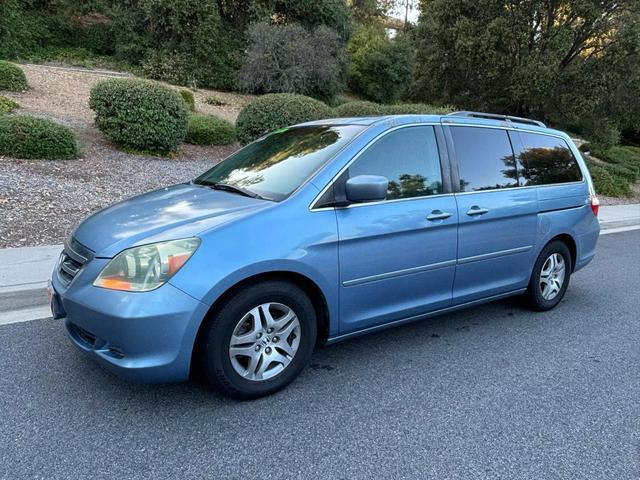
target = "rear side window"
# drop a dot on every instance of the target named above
(485, 158)
(546, 160)
(408, 157)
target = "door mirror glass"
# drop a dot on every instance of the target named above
(367, 188)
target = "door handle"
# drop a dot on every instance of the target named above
(476, 210)
(438, 215)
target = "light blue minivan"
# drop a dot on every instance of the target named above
(322, 231)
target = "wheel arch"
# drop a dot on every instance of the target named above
(311, 288)
(571, 244)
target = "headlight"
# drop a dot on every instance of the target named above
(144, 268)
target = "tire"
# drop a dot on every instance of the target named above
(264, 371)
(538, 297)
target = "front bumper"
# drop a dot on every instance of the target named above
(145, 337)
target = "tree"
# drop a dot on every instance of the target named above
(293, 59)
(380, 68)
(331, 13)
(558, 60)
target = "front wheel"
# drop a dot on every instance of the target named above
(260, 340)
(550, 277)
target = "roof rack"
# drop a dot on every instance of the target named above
(495, 116)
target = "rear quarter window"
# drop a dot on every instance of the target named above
(545, 160)
(485, 158)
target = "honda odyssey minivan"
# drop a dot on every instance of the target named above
(322, 231)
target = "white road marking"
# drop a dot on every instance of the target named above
(620, 229)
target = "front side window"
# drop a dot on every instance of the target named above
(546, 160)
(485, 158)
(274, 166)
(408, 158)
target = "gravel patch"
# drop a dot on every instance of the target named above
(41, 201)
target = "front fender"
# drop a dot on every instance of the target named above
(306, 244)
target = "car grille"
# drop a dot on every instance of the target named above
(72, 259)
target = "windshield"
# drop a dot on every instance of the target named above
(274, 166)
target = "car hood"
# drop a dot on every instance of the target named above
(170, 213)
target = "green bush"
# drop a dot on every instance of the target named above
(28, 137)
(187, 96)
(380, 68)
(358, 109)
(139, 114)
(12, 77)
(417, 109)
(629, 173)
(607, 183)
(277, 110)
(7, 105)
(620, 155)
(621, 165)
(621, 161)
(209, 130)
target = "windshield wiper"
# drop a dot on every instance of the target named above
(235, 189)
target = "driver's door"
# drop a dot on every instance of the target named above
(397, 256)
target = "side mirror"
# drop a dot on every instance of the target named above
(366, 188)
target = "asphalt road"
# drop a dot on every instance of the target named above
(494, 392)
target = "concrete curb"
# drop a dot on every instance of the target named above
(24, 273)
(23, 296)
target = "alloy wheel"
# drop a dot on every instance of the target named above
(264, 341)
(552, 276)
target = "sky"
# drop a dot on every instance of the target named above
(399, 11)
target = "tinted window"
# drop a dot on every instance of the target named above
(408, 157)
(277, 164)
(546, 160)
(485, 158)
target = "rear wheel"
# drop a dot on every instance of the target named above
(550, 277)
(260, 340)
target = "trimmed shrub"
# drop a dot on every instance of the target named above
(139, 114)
(277, 110)
(209, 130)
(189, 99)
(12, 77)
(416, 109)
(308, 62)
(29, 137)
(7, 105)
(358, 109)
(380, 68)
